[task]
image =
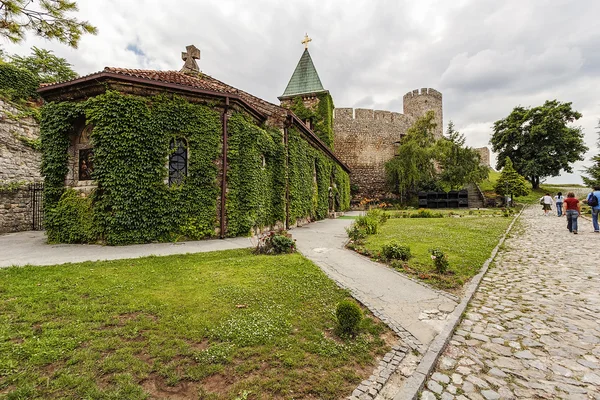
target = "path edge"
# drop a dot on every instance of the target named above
(411, 387)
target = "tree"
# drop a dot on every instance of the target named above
(413, 166)
(538, 140)
(511, 183)
(593, 172)
(49, 20)
(458, 163)
(48, 67)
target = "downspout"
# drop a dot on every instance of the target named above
(224, 168)
(288, 123)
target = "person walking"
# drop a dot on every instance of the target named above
(595, 208)
(546, 202)
(573, 210)
(558, 199)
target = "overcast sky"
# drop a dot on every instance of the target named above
(485, 56)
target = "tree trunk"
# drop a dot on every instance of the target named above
(535, 182)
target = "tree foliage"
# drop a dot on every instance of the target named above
(538, 140)
(413, 167)
(48, 18)
(459, 164)
(422, 163)
(48, 67)
(593, 173)
(511, 183)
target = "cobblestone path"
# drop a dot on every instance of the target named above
(532, 330)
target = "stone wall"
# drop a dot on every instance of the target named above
(366, 139)
(19, 163)
(484, 153)
(16, 213)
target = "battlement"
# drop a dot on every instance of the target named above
(366, 114)
(423, 92)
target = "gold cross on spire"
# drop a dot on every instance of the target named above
(306, 41)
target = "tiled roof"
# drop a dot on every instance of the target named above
(305, 78)
(201, 82)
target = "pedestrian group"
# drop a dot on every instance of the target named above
(571, 207)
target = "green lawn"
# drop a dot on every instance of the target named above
(468, 241)
(219, 325)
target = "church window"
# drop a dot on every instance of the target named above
(178, 161)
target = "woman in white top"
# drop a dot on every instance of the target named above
(558, 199)
(546, 202)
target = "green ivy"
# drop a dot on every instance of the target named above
(321, 116)
(17, 83)
(255, 184)
(132, 202)
(9, 187)
(72, 220)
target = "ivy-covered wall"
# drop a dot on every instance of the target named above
(133, 204)
(320, 114)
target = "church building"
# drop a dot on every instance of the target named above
(133, 156)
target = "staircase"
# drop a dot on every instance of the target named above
(476, 198)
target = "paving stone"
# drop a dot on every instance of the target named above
(477, 382)
(592, 378)
(497, 372)
(457, 379)
(438, 377)
(526, 354)
(451, 389)
(427, 395)
(490, 394)
(447, 396)
(435, 387)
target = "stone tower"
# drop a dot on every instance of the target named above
(307, 98)
(418, 102)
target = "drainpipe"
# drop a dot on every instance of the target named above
(224, 168)
(288, 123)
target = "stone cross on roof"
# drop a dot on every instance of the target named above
(190, 56)
(306, 40)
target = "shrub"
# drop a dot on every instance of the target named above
(275, 243)
(440, 260)
(427, 214)
(395, 251)
(17, 83)
(348, 315)
(356, 234)
(72, 221)
(380, 215)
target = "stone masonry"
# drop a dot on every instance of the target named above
(531, 331)
(19, 164)
(366, 139)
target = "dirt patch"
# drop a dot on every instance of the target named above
(203, 345)
(157, 389)
(217, 383)
(126, 317)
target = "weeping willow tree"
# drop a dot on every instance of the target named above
(413, 168)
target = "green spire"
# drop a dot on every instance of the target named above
(305, 78)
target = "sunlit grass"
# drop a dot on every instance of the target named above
(467, 241)
(210, 325)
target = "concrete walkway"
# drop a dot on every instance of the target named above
(417, 311)
(24, 248)
(532, 330)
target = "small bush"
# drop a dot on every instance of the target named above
(356, 234)
(380, 215)
(368, 224)
(275, 243)
(395, 251)
(72, 221)
(427, 214)
(440, 260)
(349, 316)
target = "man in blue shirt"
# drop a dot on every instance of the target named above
(595, 209)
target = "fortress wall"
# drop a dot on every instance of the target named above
(484, 153)
(365, 140)
(418, 102)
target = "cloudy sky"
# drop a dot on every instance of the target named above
(485, 56)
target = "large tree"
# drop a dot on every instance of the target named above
(48, 67)
(539, 141)
(47, 18)
(458, 164)
(413, 166)
(593, 173)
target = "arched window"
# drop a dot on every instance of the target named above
(178, 160)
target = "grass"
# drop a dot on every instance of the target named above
(467, 241)
(215, 325)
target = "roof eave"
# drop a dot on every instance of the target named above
(309, 94)
(103, 76)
